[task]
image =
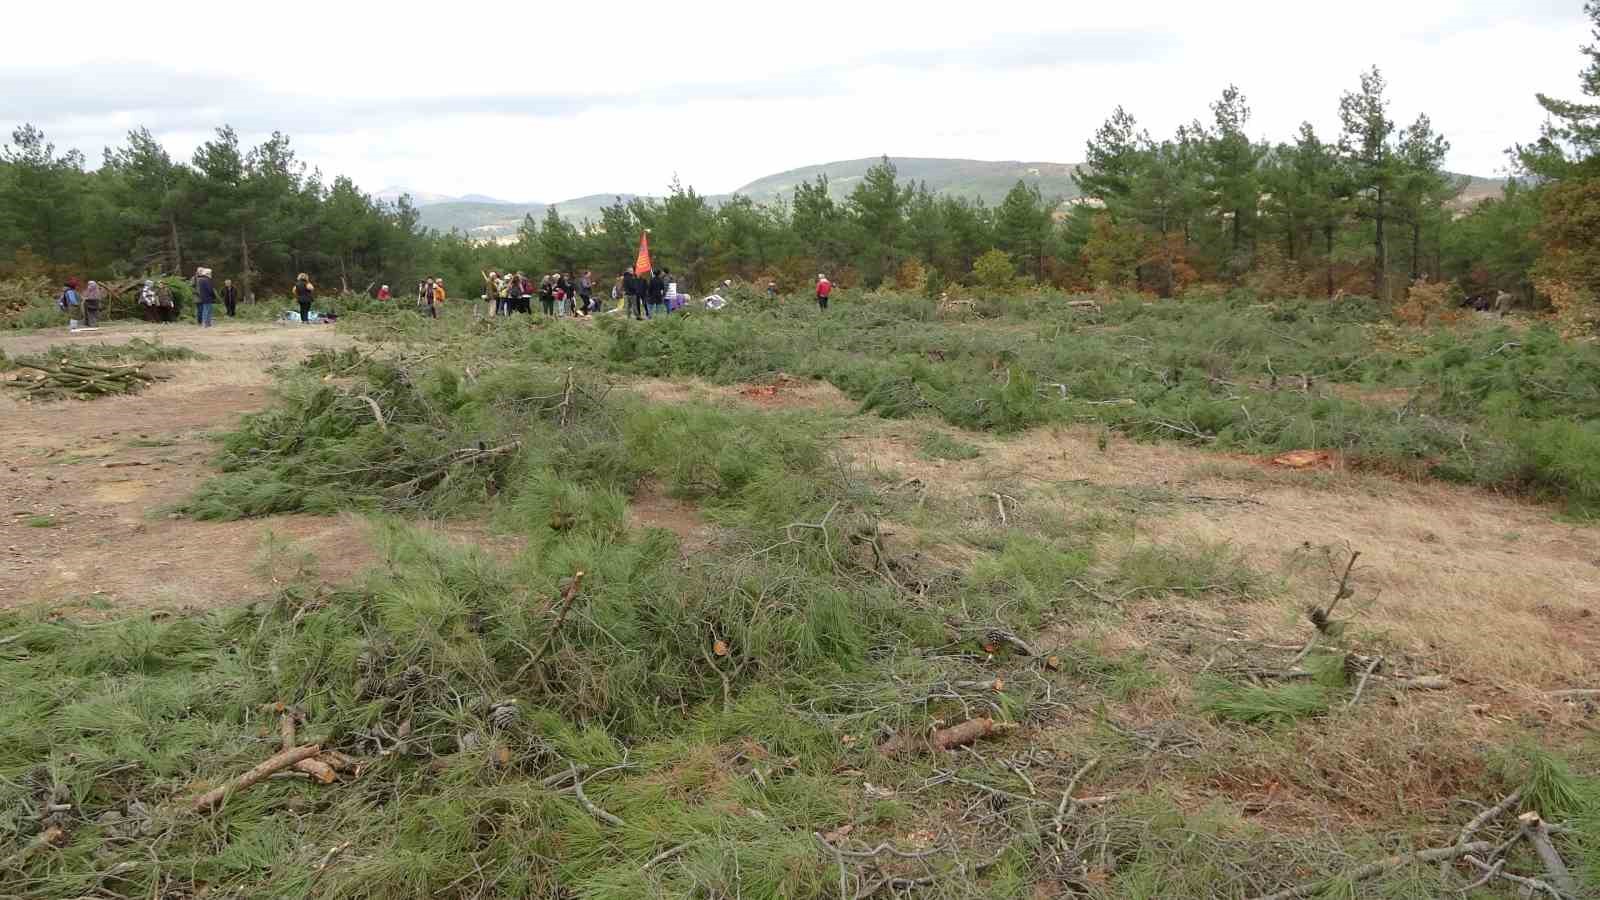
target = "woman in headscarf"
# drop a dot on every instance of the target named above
(92, 295)
(149, 303)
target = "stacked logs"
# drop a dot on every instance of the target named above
(85, 381)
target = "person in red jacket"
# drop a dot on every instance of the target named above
(383, 293)
(824, 289)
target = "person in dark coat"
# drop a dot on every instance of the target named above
(205, 297)
(230, 296)
(633, 288)
(657, 295)
(304, 293)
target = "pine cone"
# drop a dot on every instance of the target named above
(414, 677)
(995, 638)
(503, 715)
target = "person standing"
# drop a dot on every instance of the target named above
(93, 293)
(438, 296)
(547, 296)
(657, 295)
(69, 301)
(383, 293)
(230, 296)
(205, 297)
(632, 294)
(586, 292)
(824, 290)
(304, 293)
(772, 290)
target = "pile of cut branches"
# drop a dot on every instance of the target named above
(85, 381)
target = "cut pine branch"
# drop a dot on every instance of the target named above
(1312, 888)
(287, 758)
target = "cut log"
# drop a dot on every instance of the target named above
(943, 738)
(316, 768)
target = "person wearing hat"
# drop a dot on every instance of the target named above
(824, 290)
(205, 297)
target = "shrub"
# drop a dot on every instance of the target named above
(994, 271)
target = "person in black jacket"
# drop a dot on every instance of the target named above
(658, 295)
(230, 296)
(633, 289)
(304, 293)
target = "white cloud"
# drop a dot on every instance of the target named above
(546, 101)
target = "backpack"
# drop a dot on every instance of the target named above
(68, 299)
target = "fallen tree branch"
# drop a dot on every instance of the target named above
(664, 855)
(566, 604)
(377, 413)
(1538, 834)
(276, 763)
(1577, 694)
(1533, 885)
(587, 804)
(1362, 873)
(1068, 807)
(1320, 617)
(1478, 821)
(1362, 685)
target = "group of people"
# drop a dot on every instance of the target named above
(651, 293)
(156, 300)
(430, 294)
(559, 294)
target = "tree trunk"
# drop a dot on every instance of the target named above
(1416, 246)
(1327, 236)
(244, 268)
(177, 249)
(1380, 260)
(344, 276)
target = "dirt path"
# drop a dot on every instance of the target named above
(83, 483)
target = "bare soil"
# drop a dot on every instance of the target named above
(84, 484)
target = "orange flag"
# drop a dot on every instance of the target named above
(642, 264)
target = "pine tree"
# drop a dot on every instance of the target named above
(1022, 226)
(1423, 187)
(1233, 174)
(1569, 143)
(877, 208)
(1366, 146)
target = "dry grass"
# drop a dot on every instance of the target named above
(1491, 591)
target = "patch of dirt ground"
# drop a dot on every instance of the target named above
(650, 507)
(1496, 593)
(84, 483)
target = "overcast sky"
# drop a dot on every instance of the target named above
(552, 100)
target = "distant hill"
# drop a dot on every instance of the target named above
(970, 178)
(974, 179)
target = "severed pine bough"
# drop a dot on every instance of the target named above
(85, 381)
